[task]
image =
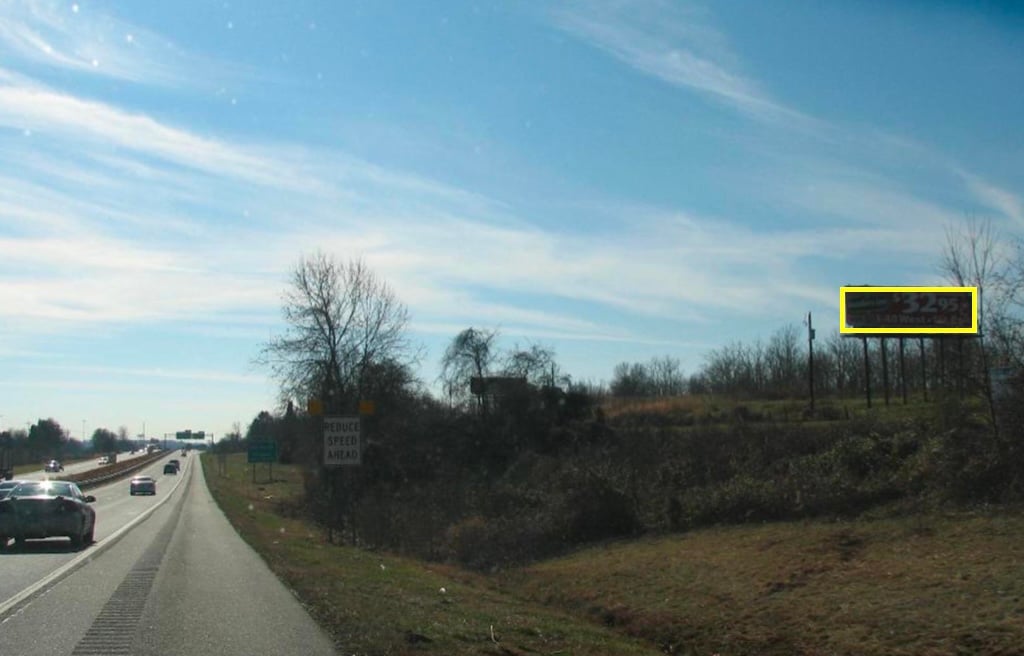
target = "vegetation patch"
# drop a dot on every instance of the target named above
(936, 583)
(862, 587)
(372, 602)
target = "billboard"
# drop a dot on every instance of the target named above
(908, 310)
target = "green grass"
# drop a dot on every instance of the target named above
(376, 603)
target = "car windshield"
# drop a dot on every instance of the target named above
(42, 488)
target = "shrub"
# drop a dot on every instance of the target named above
(599, 511)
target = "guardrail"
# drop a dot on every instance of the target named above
(101, 475)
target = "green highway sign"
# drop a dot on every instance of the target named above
(263, 451)
(189, 435)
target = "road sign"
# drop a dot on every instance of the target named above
(265, 451)
(342, 441)
(183, 435)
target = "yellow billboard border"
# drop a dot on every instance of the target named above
(973, 330)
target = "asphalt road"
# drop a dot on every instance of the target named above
(177, 581)
(76, 468)
(115, 508)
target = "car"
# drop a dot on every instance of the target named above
(175, 462)
(105, 460)
(53, 466)
(169, 468)
(7, 486)
(142, 485)
(36, 510)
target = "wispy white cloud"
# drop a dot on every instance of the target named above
(86, 40)
(226, 218)
(675, 43)
(156, 373)
(56, 114)
(679, 44)
(996, 198)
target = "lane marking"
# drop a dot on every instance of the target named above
(93, 551)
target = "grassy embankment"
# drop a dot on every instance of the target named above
(375, 603)
(936, 584)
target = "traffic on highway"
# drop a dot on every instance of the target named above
(147, 552)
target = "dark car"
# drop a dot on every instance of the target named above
(53, 466)
(175, 462)
(169, 468)
(142, 485)
(42, 509)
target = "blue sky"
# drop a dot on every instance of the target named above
(614, 179)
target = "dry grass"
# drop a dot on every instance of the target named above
(688, 409)
(376, 603)
(938, 585)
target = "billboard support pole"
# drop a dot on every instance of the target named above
(942, 362)
(960, 368)
(867, 371)
(885, 371)
(903, 372)
(924, 368)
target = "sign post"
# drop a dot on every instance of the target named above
(262, 451)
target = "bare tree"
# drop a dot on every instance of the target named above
(974, 256)
(472, 353)
(784, 360)
(341, 320)
(666, 376)
(846, 364)
(630, 379)
(535, 363)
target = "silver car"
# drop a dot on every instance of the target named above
(142, 485)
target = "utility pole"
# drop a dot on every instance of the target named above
(810, 358)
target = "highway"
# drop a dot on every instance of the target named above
(166, 575)
(76, 468)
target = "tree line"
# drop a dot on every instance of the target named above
(47, 440)
(516, 460)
